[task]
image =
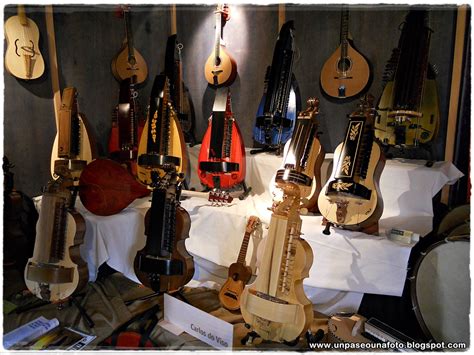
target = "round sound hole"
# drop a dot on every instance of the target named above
(344, 64)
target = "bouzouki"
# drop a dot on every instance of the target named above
(220, 68)
(56, 269)
(73, 145)
(346, 73)
(164, 265)
(127, 126)
(239, 273)
(275, 305)
(351, 198)
(129, 62)
(23, 58)
(162, 141)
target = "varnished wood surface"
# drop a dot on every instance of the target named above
(222, 74)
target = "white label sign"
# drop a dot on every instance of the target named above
(199, 324)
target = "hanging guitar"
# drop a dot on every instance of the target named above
(409, 104)
(23, 58)
(127, 126)
(129, 62)
(73, 145)
(178, 91)
(56, 269)
(162, 140)
(239, 273)
(275, 305)
(275, 120)
(220, 68)
(221, 163)
(351, 198)
(164, 265)
(304, 156)
(346, 73)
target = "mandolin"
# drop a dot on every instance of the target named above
(164, 265)
(351, 198)
(56, 269)
(73, 145)
(129, 62)
(239, 273)
(221, 162)
(23, 58)
(275, 120)
(346, 73)
(220, 68)
(127, 126)
(178, 91)
(106, 187)
(303, 157)
(275, 305)
(409, 105)
(162, 141)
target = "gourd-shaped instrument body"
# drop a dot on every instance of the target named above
(222, 162)
(275, 305)
(351, 197)
(56, 269)
(164, 264)
(162, 141)
(409, 105)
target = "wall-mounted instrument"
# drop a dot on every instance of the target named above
(163, 264)
(56, 269)
(220, 68)
(178, 91)
(274, 123)
(162, 140)
(351, 197)
(221, 163)
(239, 273)
(106, 187)
(23, 58)
(346, 73)
(409, 105)
(275, 305)
(73, 145)
(127, 126)
(129, 62)
(303, 157)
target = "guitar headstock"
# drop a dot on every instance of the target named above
(252, 224)
(223, 9)
(219, 198)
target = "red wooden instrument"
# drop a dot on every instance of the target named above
(222, 155)
(106, 187)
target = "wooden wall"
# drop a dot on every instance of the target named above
(88, 37)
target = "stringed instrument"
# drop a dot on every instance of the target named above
(221, 162)
(351, 198)
(220, 68)
(162, 141)
(127, 126)
(346, 73)
(56, 269)
(409, 112)
(23, 58)
(106, 187)
(178, 91)
(73, 145)
(303, 157)
(164, 265)
(275, 122)
(239, 273)
(275, 305)
(129, 62)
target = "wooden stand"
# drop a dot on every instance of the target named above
(372, 229)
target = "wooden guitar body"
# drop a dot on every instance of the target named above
(106, 187)
(222, 70)
(230, 293)
(123, 69)
(23, 58)
(339, 83)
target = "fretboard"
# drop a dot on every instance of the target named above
(217, 40)
(243, 248)
(128, 31)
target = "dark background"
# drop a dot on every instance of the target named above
(88, 37)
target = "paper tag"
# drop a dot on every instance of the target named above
(171, 327)
(211, 330)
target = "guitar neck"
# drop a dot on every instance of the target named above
(128, 32)
(22, 15)
(344, 31)
(218, 34)
(243, 248)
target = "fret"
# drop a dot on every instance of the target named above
(344, 35)
(243, 248)
(128, 31)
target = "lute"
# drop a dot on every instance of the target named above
(239, 273)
